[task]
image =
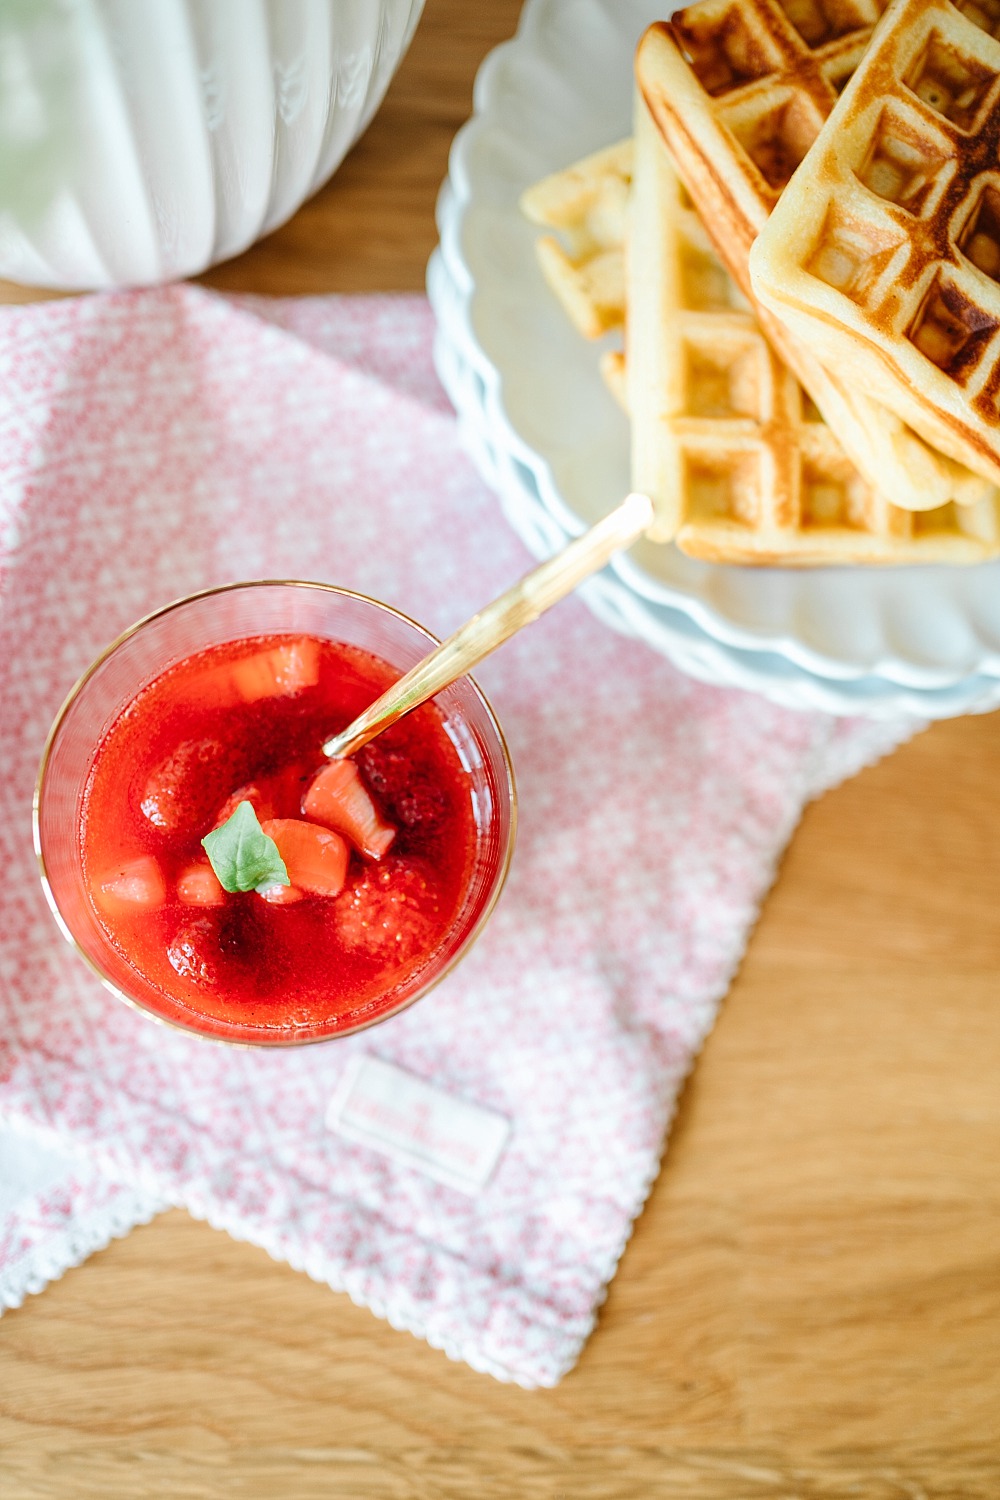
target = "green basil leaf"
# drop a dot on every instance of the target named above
(242, 855)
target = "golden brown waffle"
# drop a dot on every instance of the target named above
(568, 201)
(723, 429)
(740, 464)
(885, 250)
(586, 203)
(739, 90)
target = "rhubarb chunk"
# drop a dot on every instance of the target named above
(338, 798)
(199, 885)
(316, 858)
(133, 883)
(277, 673)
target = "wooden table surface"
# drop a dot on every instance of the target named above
(810, 1305)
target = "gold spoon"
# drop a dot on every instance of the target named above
(536, 592)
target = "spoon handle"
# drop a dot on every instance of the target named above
(536, 592)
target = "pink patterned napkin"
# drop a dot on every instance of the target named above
(152, 443)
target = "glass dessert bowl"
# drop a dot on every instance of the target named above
(206, 720)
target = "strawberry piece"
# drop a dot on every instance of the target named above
(195, 951)
(276, 796)
(338, 798)
(182, 792)
(412, 799)
(391, 909)
(276, 673)
(260, 800)
(133, 883)
(198, 885)
(316, 859)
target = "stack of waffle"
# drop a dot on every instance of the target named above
(802, 245)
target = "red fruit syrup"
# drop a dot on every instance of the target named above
(379, 857)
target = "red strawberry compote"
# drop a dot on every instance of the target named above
(379, 851)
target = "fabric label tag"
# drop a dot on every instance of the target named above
(383, 1106)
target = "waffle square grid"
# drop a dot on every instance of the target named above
(885, 250)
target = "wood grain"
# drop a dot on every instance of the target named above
(810, 1305)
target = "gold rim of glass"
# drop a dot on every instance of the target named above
(471, 937)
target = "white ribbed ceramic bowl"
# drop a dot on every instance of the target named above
(142, 140)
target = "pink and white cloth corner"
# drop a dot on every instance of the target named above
(157, 442)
